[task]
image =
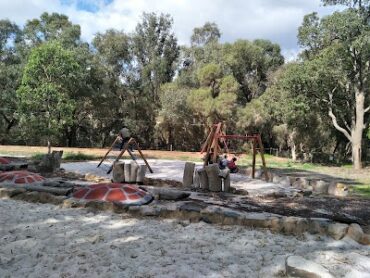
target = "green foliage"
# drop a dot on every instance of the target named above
(206, 34)
(45, 105)
(72, 156)
(52, 27)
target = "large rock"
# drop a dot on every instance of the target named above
(169, 194)
(338, 189)
(355, 232)
(320, 186)
(297, 266)
(188, 174)
(301, 183)
(337, 230)
(283, 180)
(50, 162)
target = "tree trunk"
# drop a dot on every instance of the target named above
(293, 149)
(357, 130)
(292, 145)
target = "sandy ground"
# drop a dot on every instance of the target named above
(42, 240)
(173, 170)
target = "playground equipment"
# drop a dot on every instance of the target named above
(217, 141)
(130, 143)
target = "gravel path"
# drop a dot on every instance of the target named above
(46, 241)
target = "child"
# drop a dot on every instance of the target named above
(232, 166)
(223, 162)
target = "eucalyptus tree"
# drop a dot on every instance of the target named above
(337, 67)
(10, 76)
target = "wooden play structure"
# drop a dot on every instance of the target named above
(217, 141)
(131, 142)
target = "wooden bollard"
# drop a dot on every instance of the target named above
(203, 179)
(127, 169)
(119, 172)
(214, 181)
(141, 174)
(188, 174)
(133, 171)
(225, 174)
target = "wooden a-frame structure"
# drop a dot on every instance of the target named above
(217, 140)
(130, 142)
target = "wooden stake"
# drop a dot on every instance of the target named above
(254, 159)
(262, 157)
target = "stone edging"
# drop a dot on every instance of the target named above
(198, 211)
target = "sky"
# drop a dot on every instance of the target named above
(276, 20)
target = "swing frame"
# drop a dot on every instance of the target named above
(213, 149)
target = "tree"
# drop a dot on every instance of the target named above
(338, 71)
(215, 100)
(113, 71)
(250, 63)
(174, 123)
(45, 102)
(10, 75)
(206, 34)
(52, 27)
(155, 50)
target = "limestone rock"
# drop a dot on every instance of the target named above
(355, 232)
(301, 183)
(297, 266)
(337, 230)
(283, 180)
(365, 239)
(320, 186)
(50, 162)
(169, 194)
(338, 189)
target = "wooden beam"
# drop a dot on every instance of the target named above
(142, 156)
(109, 150)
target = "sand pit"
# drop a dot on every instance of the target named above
(41, 240)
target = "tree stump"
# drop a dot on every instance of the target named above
(119, 172)
(188, 174)
(214, 181)
(141, 174)
(133, 171)
(203, 179)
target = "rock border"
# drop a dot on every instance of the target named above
(195, 211)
